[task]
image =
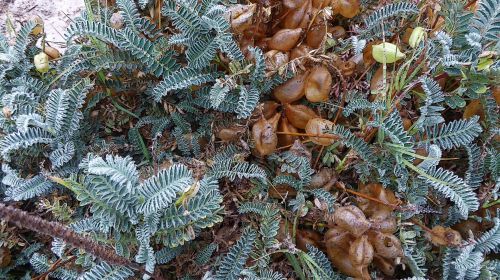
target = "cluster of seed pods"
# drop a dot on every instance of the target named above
(291, 30)
(364, 234)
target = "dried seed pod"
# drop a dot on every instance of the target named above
(352, 219)
(417, 35)
(285, 39)
(385, 225)
(241, 17)
(264, 136)
(474, 108)
(346, 8)
(386, 245)
(292, 90)
(116, 20)
(317, 126)
(374, 209)
(299, 51)
(41, 62)
(407, 123)
(322, 177)
(444, 236)
(39, 25)
(269, 108)
(361, 251)
(5, 257)
(307, 236)
(347, 68)
(275, 59)
(386, 266)
(315, 35)
(345, 265)
(320, 4)
(299, 115)
(293, 4)
(284, 139)
(377, 81)
(337, 32)
(230, 133)
(294, 18)
(338, 237)
(53, 53)
(318, 84)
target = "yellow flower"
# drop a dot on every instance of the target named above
(386, 52)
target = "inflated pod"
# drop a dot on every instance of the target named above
(269, 108)
(241, 17)
(386, 266)
(294, 17)
(307, 236)
(293, 4)
(318, 84)
(346, 8)
(347, 68)
(339, 259)
(299, 51)
(337, 31)
(229, 134)
(322, 177)
(385, 245)
(264, 136)
(285, 126)
(339, 238)
(371, 208)
(292, 90)
(320, 4)
(53, 53)
(275, 59)
(299, 115)
(352, 219)
(361, 251)
(385, 225)
(317, 126)
(285, 39)
(315, 35)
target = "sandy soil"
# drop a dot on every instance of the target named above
(56, 14)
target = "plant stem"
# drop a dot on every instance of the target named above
(329, 136)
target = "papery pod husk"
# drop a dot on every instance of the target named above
(385, 265)
(292, 90)
(346, 8)
(53, 53)
(316, 34)
(377, 81)
(338, 237)
(417, 35)
(276, 59)
(339, 259)
(387, 53)
(352, 219)
(385, 245)
(264, 136)
(474, 108)
(241, 17)
(230, 134)
(318, 84)
(377, 191)
(299, 51)
(293, 4)
(320, 4)
(320, 178)
(383, 224)
(318, 126)
(347, 68)
(337, 31)
(284, 139)
(444, 236)
(41, 62)
(407, 123)
(361, 251)
(269, 108)
(307, 236)
(299, 115)
(295, 17)
(367, 53)
(285, 39)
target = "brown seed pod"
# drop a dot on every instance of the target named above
(292, 90)
(386, 266)
(386, 245)
(317, 126)
(377, 81)
(337, 32)
(275, 59)
(474, 108)
(285, 39)
(229, 134)
(346, 8)
(39, 25)
(307, 236)
(339, 238)
(5, 257)
(322, 177)
(387, 225)
(284, 139)
(242, 17)
(53, 53)
(352, 219)
(281, 191)
(294, 18)
(407, 123)
(375, 209)
(264, 136)
(299, 115)
(361, 251)
(444, 236)
(315, 35)
(293, 4)
(318, 84)
(320, 4)
(299, 51)
(347, 68)
(339, 259)
(269, 108)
